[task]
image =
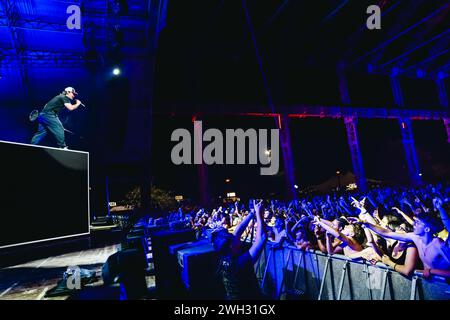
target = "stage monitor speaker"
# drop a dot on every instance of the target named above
(199, 263)
(167, 285)
(128, 268)
(110, 269)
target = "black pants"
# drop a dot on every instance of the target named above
(49, 123)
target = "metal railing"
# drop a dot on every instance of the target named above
(290, 273)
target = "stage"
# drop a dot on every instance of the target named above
(31, 280)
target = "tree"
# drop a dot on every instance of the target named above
(160, 200)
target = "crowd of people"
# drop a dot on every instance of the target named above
(404, 228)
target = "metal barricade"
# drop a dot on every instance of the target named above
(312, 273)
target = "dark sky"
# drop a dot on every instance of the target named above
(319, 148)
(206, 58)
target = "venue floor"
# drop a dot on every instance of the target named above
(31, 280)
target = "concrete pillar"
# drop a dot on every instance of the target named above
(447, 128)
(407, 135)
(443, 96)
(355, 152)
(201, 166)
(343, 85)
(443, 99)
(410, 151)
(288, 160)
(352, 133)
(203, 184)
(397, 92)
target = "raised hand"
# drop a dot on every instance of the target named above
(376, 215)
(396, 209)
(370, 255)
(426, 273)
(437, 203)
(318, 230)
(386, 260)
(405, 201)
(363, 202)
(257, 206)
(362, 217)
(316, 220)
(353, 219)
(359, 204)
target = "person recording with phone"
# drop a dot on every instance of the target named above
(49, 121)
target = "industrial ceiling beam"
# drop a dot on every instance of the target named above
(442, 70)
(426, 61)
(273, 17)
(49, 26)
(41, 58)
(419, 46)
(335, 11)
(303, 111)
(12, 16)
(363, 28)
(397, 36)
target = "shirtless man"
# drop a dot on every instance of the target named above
(433, 251)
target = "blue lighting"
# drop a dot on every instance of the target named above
(116, 71)
(395, 71)
(420, 73)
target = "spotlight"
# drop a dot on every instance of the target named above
(267, 152)
(295, 186)
(420, 73)
(395, 71)
(420, 174)
(116, 71)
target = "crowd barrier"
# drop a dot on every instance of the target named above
(290, 273)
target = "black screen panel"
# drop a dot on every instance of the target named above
(44, 194)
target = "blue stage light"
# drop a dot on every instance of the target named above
(116, 71)
(395, 71)
(420, 73)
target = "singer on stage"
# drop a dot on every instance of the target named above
(48, 118)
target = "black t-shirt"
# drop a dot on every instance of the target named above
(239, 277)
(402, 259)
(56, 104)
